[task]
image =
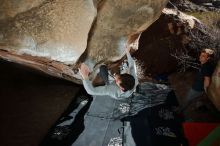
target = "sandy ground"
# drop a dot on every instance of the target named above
(30, 104)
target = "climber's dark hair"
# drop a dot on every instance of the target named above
(127, 82)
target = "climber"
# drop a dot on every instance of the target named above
(122, 86)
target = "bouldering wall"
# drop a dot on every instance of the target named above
(53, 29)
(117, 21)
(54, 35)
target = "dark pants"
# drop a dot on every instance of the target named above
(103, 72)
(191, 97)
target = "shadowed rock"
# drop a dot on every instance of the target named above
(214, 90)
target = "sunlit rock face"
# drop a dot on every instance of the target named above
(117, 21)
(214, 90)
(10, 8)
(51, 35)
(57, 30)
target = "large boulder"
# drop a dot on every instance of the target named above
(55, 35)
(10, 8)
(168, 44)
(214, 90)
(56, 30)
